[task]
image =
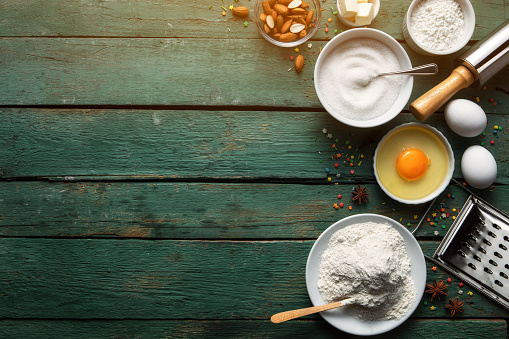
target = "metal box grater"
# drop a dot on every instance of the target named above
(475, 249)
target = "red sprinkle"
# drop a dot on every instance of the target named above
(449, 280)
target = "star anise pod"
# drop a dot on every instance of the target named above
(359, 194)
(454, 306)
(436, 289)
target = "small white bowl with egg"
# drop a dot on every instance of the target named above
(413, 163)
(433, 30)
(357, 13)
(346, 83)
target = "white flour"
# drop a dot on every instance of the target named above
(369, 263)
(437, 24)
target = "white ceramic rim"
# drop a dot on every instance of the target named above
(376, 6)
(406, 86)
(337, 317)
(447, 178)
(469, 17)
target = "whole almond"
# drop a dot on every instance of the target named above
(286, 26)
(304, 4)
(287, 37)
(266, 28)
(274, 15)
(309, 17)
(299, 63)
(263, 16)
(302, 34)
(266, 7)
(241, 11)
(281, 9)
(299, 11)
(285, 2)
(280, 22)
(300, 19)
(272, 2)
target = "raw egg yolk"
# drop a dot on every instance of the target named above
(412, 164)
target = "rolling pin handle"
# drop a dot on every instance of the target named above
(422, 108)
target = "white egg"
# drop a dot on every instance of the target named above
(465, 117)
(478, 167)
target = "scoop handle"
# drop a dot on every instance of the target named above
(288, 315)
(429, 102)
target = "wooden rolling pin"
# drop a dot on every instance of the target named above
(475, 67)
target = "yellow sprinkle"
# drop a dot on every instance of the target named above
(296, 50)
(224, 13)
(454, 210)
(432, 308)
(470, 293)
(349, 146)
(415, 216)
(231, 7)
(329, 179)
(362, 156)
(496, 127)
(453, 217)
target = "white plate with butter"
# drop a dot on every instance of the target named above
(338, 317)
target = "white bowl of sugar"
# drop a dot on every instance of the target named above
(438, 27)
(346, 82)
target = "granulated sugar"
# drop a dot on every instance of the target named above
(347, 79)
(437, 24)
(368, 262)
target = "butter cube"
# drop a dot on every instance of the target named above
(348, 8)
(365, 14)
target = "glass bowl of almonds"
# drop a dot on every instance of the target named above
(287, 23)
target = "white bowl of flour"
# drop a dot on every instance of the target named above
(373, 259)
(438, 27)
(345, 79)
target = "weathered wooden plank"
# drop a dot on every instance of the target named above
(91, 329)
(205, 210)
(168, 71)
(181, 18)
(93, 278)
(203, 145)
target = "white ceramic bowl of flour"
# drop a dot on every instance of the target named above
(340, 317)
(344, 79)
(438, 27)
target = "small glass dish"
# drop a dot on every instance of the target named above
(344, 21)
(311, 30)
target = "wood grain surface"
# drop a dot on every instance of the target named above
(164, 173)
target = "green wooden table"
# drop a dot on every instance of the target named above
(163, 173)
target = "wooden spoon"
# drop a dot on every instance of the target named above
(289, 315)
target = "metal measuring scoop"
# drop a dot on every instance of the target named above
(428, 69)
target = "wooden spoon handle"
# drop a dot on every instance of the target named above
(288, 315)
(429, 102)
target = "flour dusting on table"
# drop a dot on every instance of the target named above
(369, 262)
